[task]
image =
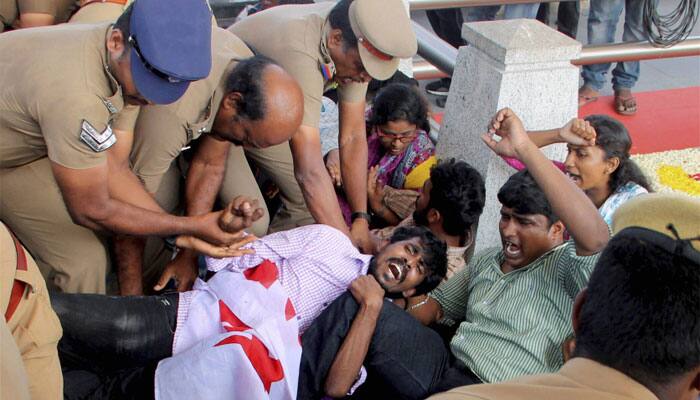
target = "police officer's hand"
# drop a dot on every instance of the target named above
(240, 214)
(333, 167)
(234, 249)
(375, 189)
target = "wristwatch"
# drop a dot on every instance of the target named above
(360, 214)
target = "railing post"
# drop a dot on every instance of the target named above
(521, 64)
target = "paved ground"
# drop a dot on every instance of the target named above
(655, 74)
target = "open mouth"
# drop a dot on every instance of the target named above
(575, 178)
(396, 267)
(511, 249)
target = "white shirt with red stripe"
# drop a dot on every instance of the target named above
(257, 304)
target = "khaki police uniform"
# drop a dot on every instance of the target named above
(10, 10)
(61, 112)
(162, 132)
(294, 36)
(33, 324)
(92, 11)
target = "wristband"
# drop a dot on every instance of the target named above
(360, 214)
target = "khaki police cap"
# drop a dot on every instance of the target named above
(656, 211)
(384, 35)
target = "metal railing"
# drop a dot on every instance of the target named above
(438, 4)
(440, 56)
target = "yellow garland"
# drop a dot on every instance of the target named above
(677, 179)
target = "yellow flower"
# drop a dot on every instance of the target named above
(677, 179)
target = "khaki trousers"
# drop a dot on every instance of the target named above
(34, 326)
(277, 163)
(71, 258)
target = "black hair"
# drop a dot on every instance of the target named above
(339, 18)
(123, 23)
(246, 79)
(524, 196)
(641, 313)
(434, 255)
(400, 102)
(458, 193)
(613, 138)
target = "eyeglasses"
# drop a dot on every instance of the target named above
(148, 66)
(403, 138)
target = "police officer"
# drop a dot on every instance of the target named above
(249, 102)
(92, 11)
(56, 110)
(32, 13)
(323, 45)
(34, 326)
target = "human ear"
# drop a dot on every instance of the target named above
(434, 216)
(335, 38)
(231, 101)
(469, 237)
(115, 43)
(612, 164)
(556, 229)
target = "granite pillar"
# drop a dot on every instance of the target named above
(522, 64)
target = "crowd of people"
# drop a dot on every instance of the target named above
(140, 258)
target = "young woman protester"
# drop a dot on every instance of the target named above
(598, 160)
(400, 153)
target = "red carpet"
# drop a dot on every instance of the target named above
(665, 120)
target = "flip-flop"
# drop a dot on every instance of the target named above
(625, 103)
(586, 99)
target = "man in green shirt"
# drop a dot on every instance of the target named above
(514, 301)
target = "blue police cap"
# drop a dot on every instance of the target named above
(170, 46)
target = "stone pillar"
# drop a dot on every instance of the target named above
(522, 64)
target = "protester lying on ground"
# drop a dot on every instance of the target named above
(328, 44)
(514, 301)
(449, 205)
(29, 327)
(637, 323)
(246, 102)
(399, 152)
(598, 160)
(313, 265)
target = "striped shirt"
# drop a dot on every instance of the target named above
(316, 264)
(514, 323)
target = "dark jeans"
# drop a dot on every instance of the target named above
(567, 18)
(111, 345)
(405, 359)
(447, 24)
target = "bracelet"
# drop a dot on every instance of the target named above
(413, 307)
(360, 214)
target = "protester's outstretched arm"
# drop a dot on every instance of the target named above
(347, 363)
(570, 204)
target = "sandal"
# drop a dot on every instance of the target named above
(586, 94)
(625, 103)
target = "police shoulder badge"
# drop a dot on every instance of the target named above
(97, 141)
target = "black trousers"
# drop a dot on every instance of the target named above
(405, 359)
(447, 24)
(111, 345)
